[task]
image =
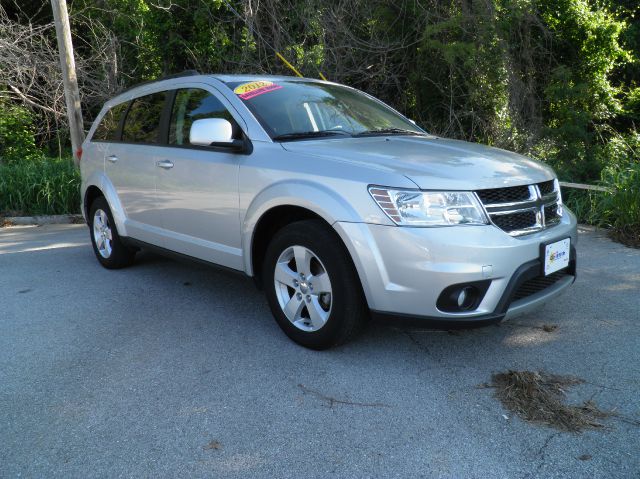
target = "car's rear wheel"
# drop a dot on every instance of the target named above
(312, 287)
(108, 247)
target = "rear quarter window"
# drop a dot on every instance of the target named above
(142, 124)
(107, 130)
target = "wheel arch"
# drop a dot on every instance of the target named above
(99, 185)
(268, 225)
(90, 196)
(284, 204)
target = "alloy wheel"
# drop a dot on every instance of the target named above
(303, 288)
(102, 233)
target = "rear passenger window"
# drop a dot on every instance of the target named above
(142, 124)
(194, 104)
(108, 128)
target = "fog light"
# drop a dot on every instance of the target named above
(462, 297)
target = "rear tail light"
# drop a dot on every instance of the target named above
(79, 153)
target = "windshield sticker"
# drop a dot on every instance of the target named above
(247, 91)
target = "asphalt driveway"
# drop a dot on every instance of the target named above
(174, 369)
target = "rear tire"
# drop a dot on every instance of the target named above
(108, 247)
(312, 287)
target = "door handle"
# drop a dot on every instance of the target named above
(112, 158)
(165, 164)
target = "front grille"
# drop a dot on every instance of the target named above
(537, 284)
(547, 187)
(515, 221)
(551, 215)
(520, 210)
(504, 195)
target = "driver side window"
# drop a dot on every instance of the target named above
(193, 104)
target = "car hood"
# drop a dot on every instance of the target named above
(431, 162)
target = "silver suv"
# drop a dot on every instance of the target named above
(341, 208)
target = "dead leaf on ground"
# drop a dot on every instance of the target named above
(540, 397)
(213, 445)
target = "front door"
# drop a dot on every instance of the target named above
(197, 187)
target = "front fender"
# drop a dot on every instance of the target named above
(102, 182)
(315, 197)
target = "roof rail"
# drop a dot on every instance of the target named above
(186, 73)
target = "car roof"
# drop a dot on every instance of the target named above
(248, 78)
(141, 88)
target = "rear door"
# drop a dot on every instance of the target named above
(131, 166)
(198, 186)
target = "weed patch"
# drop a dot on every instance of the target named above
(628, 236)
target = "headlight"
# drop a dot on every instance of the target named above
(429, 208)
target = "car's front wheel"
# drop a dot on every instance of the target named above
(312, 286)
(108, 247)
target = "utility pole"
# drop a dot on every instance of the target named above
(68, 65)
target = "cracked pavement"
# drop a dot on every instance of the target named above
(174, 369)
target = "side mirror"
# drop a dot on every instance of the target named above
(213, 132)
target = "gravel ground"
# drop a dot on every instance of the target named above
(174, 369)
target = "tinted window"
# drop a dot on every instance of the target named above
(108, 127)
(142, 124)
(190, 105)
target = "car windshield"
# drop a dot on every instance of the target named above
(292, 110)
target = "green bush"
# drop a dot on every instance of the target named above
(17, 139)
(620, 209)
(40, 186)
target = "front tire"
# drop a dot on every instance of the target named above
(312, 287)
(108, 247)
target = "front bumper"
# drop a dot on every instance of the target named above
(404, 270)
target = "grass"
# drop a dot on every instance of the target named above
(583, 203)
(539, 397)
(44, 186)
(619, 210)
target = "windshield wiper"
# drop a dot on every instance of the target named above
(389, 131)
(309, 134)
